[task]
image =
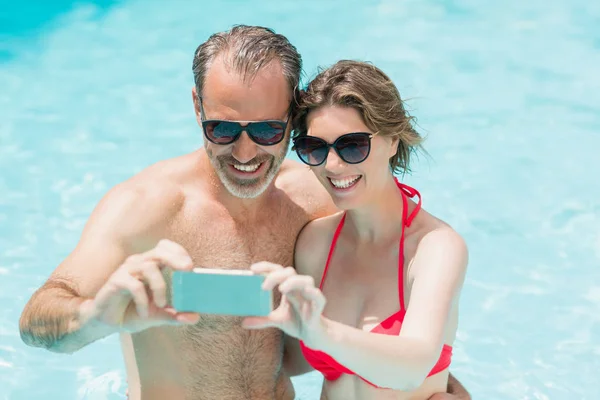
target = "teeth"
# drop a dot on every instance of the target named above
(343, 183)
(246, 168)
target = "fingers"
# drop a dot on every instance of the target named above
(303, 286)
(130, 286)
(139, 295)
(169, 254)
(442, 396)
(276, 318)
(176, 318)
(141, 270)
(297, 282)
(257, 322)
(315, 294)
(187, 318)
(150, 273)
(135, 296)
(301, 290)
(298, 288)
(265, 267)
(278, 276)
(146, 267)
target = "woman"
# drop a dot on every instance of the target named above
(391, 272)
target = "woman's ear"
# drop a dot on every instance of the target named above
(394, 146)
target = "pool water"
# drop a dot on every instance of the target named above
(508, 94)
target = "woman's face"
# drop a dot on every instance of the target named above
(350, 185)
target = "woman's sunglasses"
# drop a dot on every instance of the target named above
(263, 133)
(353, 148)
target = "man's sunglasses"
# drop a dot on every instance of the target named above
(263, 133)
(353, 148)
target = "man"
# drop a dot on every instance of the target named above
(232, 203)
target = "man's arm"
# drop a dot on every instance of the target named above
(294, 362)
(52, 318)
(58, 317)
(457, 389)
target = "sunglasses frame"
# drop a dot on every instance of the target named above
(333, 145)
(243, 128)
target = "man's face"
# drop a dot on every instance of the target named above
(245, 168)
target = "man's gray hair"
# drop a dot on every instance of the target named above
(247, 49)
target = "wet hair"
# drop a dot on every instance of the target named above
(247, 49)
(372, 93)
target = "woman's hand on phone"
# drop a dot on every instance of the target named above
(300, 312)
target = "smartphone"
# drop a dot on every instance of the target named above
(221, 292)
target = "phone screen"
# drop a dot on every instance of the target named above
(221, 292)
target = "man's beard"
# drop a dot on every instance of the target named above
(248, 188)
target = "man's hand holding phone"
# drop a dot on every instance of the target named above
(135, 296)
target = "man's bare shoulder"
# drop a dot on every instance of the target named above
(303, 187)
(148, 201)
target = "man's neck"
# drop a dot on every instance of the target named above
(242, 209)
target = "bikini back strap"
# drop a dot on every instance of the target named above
(410, 192)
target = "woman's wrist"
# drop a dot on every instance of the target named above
(321, 336)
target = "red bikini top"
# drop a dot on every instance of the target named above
(327, 365)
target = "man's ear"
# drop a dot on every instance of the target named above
(196, 102)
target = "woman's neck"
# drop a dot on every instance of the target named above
(380, 217)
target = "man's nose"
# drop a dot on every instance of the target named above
(244, 149)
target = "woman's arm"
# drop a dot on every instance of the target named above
(310, 252)
(403, 362)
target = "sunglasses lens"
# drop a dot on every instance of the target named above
(311, 150)
(221, 132)
(266, 133)
(354, 148)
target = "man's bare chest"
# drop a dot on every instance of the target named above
(225, 243)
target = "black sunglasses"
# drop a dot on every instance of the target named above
(353, 148)
(263, 133)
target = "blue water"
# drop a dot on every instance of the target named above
(507, 92)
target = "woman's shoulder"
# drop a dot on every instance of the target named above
(313, 243)
(435, 239)
(433, 229)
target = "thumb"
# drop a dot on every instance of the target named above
(257, 323)
(442, 396)
(169, 314)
